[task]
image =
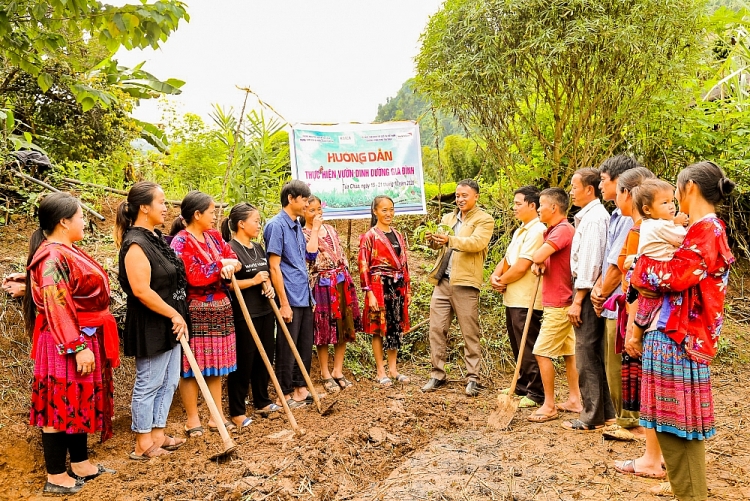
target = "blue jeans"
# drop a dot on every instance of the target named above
(156, 380)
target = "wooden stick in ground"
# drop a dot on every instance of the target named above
(507, 405)
(52, 188)
(293, 347)
(263, 355)
(229, 444)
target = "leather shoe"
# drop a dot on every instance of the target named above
(432, 385)
(473, 388)
(50, 488)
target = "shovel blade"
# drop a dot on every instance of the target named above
(503, 414)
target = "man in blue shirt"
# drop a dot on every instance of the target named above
(286, 249)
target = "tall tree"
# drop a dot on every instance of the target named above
(552, 85)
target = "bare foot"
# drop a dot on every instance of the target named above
(570, 406)
(639, 432)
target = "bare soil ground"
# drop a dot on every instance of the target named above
(394, 443)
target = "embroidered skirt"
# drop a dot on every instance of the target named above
(389, 322)
(65, 400)
(212, 338)
(332, 326)
(631, 383)
(676, 392)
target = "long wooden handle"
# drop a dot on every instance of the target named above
(526, 325)
(293, 347)
(264, 356)
(215, 414)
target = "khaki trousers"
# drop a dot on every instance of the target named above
(613, 369)
(464, 302)
(686, 466)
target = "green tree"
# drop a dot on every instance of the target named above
(552, 85)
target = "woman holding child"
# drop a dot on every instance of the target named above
(681, 341)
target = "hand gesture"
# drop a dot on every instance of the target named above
(260, 278)
(634, 346)
(229, 266)
(15, 284)
(538, 269)
(85, 362)
(317, 222)
(681, 219)
(179, 327)
(439, 238)
(268, 291)
(497, 285)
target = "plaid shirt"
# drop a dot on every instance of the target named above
(589, 241)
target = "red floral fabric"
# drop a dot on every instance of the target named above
(203, 264)
(695, 282)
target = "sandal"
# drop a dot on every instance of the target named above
(628, 468)
(617, 432)
(403, 379)
(331, 386)
(663, 489)
(384, 381)
(230, 426)
(173, 445)
(266, 411)
(342, 382)
(194, 432)
(99, 470)
(152, 452)
(578, 425)
(537, 417)
(245, 423)
(296, 404)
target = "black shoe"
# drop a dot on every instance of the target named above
(100, 469)
(473, 389)
(432, 385)
(61, 490)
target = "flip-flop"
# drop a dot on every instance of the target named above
(194, 432)
(628, 468)
(403, 379)
(384, 381)
(578, 425)
(536, 417)
(565, 408)
(272, 407)
(663, 489)
(230, 426)
(152, 452)
(246, 423)
(99, 470)
(174, 445)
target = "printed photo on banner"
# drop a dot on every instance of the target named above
(347, 165)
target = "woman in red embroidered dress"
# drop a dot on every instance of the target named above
(75, 344)
(676, 395)
(208, 261)
(337, 316)
(384, 276)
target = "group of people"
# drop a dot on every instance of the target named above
(631, 300)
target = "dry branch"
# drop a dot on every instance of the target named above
(52, 188)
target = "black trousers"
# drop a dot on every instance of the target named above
(251, 371)
(529, 379)
(301, 330)
(592, 378)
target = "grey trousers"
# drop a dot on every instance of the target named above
(613, 367)
(464, 302)
(592, 379)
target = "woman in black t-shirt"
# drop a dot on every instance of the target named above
(244, 223)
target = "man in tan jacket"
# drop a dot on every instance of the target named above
(457, 277)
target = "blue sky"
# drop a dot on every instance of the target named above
(320, 61)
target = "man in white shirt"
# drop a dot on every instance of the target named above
(513, 278)
(586, 258)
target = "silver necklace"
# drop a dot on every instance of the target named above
(254, 248)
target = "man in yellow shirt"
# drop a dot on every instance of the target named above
(513, 278)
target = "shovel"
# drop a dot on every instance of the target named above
(229, 445)
(322, 410)
(264, 356)
(507, 405)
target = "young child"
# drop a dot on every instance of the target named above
(384, 276)
(661, 234)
